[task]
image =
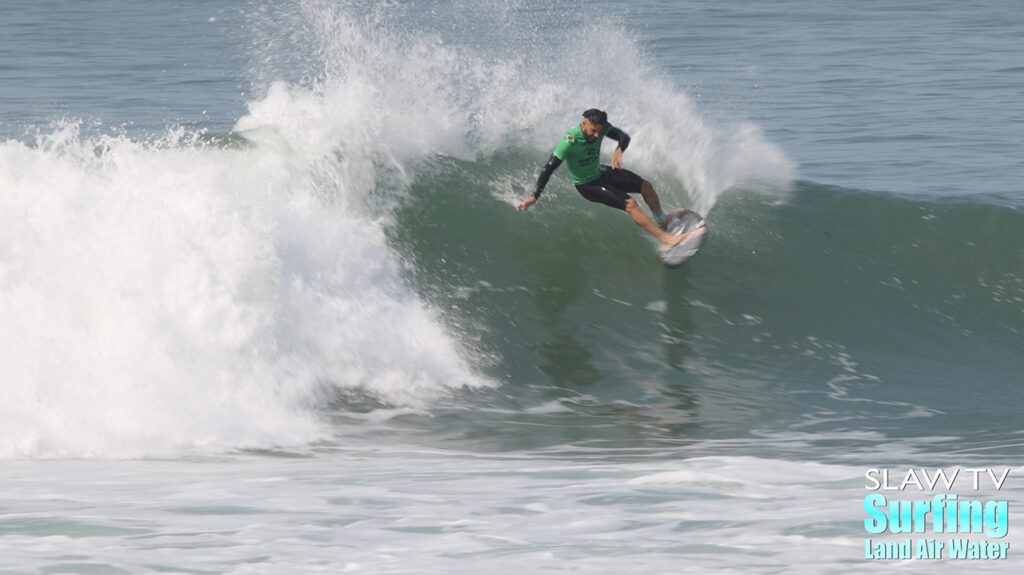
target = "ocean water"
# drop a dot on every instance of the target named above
(267, 306)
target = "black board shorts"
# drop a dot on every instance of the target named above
(612, 188)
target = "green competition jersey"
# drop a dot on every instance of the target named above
(581, 157)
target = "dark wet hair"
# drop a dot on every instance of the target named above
(596, 117)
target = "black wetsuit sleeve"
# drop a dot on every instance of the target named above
(620, 136)
(545, 174)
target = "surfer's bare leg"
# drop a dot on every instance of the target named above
(644, 221)
(654, 203)
(651, 197)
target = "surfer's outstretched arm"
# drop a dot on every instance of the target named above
(542, 180)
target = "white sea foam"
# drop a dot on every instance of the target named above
(160, 296)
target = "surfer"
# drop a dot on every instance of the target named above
(609, 185)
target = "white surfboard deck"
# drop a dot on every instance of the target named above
(679, 223)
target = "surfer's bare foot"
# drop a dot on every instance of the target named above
(676, 239)
(672, 240)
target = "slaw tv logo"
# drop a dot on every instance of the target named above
(941, 526)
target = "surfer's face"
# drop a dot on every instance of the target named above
(591, 131)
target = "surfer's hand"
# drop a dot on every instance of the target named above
(617, 158)
(525, 204)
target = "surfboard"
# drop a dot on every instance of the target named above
(696, 230)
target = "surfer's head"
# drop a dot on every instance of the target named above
(594, 121)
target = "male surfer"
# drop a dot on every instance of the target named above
(609, 185)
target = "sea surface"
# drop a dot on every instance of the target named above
(267, 306)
